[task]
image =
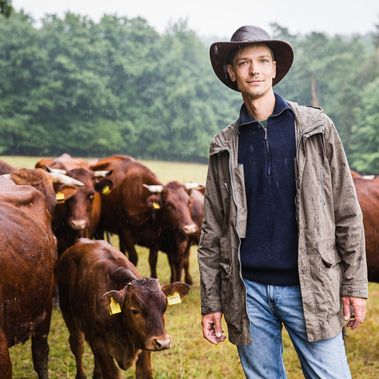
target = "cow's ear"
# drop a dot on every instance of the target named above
(103, 185)
(154, 202)
(114, 300)
(177, 287)
(63, 193)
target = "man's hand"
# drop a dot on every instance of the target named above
(354, 310)
(212, 330)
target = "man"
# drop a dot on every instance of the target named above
(283, 241)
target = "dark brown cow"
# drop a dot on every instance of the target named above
(140, 210)
(368, 196)
(5, 168)
(91, 275)
(168, 239)
(27, 258)
(79, 214)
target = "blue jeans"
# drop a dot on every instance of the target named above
(270, 307)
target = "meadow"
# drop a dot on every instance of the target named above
(190, 356)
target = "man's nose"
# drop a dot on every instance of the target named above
(253, 70)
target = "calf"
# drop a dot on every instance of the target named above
(96, 280)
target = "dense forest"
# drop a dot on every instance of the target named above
(118, 86)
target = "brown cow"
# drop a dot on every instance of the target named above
(79, 215)
(5, 168)
(64, 161)
(368, 196)
(27, 258)
(168, 240)
(92, 275)
(140, 210)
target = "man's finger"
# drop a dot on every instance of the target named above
(346, 308)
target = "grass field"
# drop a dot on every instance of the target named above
(190, 356)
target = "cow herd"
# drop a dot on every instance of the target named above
(53, 221)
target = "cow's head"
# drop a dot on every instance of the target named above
(142, 304)
(173, 202)
(81, 207)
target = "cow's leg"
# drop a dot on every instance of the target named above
(40, 346)
(76, 336)
(5, 360)
(108, 368)
(143, 365)
(153, 258)
(127, 245)
(186, 258)
(174, 265)
(76, 340)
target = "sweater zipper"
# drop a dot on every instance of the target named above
(267, 150)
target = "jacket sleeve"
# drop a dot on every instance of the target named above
(350, 238)
(209, 245)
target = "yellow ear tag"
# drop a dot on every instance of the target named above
(156, 205)
(59, 197)
(114, 307)
(174, 299)
(106, 190)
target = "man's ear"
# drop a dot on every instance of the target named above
(274, 69)
(231, 73)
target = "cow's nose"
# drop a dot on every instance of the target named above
(190, 228)
(161, 343)
(78, 224)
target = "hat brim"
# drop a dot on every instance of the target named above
(219, 52)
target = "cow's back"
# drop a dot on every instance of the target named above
(27, 258)
(84, 275)
(368, 196)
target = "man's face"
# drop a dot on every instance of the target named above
(253, 69)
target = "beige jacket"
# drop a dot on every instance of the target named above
(331, 256)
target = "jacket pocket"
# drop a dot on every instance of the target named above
(329, 256)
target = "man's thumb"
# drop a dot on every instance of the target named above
(346, 309)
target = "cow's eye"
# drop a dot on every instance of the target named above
(91, 196)
(135, 311)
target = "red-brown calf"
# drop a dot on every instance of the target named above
(95, 280)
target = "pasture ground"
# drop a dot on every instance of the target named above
(191, 357)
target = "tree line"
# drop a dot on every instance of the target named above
(70, 84)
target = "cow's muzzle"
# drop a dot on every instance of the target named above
(158, 343)
(78, 224)
(190, 229)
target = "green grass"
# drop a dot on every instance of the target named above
(190, 356)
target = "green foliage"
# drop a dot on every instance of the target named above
(118, 86)
(365, 146)
(6, 7)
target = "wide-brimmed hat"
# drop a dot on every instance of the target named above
(220, 53)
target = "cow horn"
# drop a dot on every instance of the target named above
(192, 185)
(56, 170)
(154, 188)
(64, 179)
(102, 174)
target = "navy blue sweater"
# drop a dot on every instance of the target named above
(269, 251)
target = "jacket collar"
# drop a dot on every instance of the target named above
(280, 106)
(309, 120)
